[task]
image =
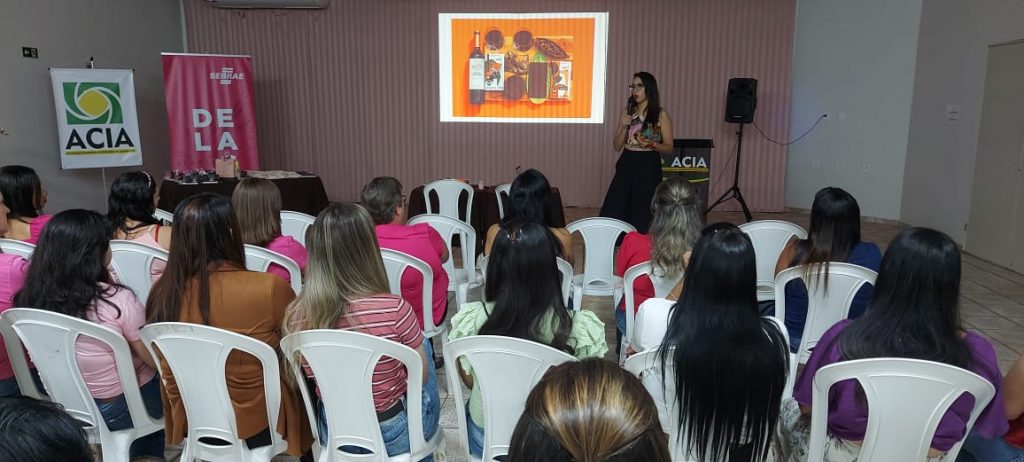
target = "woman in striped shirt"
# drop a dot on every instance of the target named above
(347, 288)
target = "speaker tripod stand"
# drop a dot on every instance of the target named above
(734, 191)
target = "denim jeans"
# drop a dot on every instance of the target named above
(620, 328)
(978, 449)
(9, 387)
(395, 431)
(476, 435)
(115, 414)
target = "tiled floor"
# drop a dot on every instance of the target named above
(992, 303)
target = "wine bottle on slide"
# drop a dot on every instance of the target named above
(476, 73)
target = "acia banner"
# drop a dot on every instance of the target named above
(97, 124)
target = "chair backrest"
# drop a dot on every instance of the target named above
(448, 227)
(662, 286)
(343, 364)
(647, 366)
(259, 259)
(448, 193)
(565, 270)
(294, 224)
(599, 236)
(132, 261)
(500, 192)
(15, 247)
(769, 238)
(395, 264)
(50, 340)
(163, 216)
(196, 356)
(505, 369)
(824, 307)
(906, 399)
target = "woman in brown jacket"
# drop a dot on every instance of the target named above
(206, 283)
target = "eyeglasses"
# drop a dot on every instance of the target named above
(636, 86)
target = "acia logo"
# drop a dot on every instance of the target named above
(97, 104)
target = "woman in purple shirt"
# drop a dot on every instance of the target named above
(914, 314)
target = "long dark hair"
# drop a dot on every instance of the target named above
(205, 233)
(730, 364)
(529, 197)
(835, 230)
(22, 191)
(69, 266)
(915, 310)
(131, 198)
(523, 284)
(653, 98)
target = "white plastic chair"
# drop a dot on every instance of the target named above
(163, 216)
(50, 340)
(505, 369)
(502, 189)
(662, 286)
(294, 224)
(196, 355)
(599, 236)
(906, 399)
(343, 363)
(824, 307)
(565, 269)
(395, 264)
(460, 280)
(769, 238)
(132, 261)
(15, 247)
(259, 259)
(448, 193)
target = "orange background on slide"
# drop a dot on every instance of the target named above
(582, 53)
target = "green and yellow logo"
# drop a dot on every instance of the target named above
(91, 103)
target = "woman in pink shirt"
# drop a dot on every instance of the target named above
(130, 208)
(12, 275)
(68, 275)
(25, 199)
(257, 203)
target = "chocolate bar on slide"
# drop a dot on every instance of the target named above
(537, 83)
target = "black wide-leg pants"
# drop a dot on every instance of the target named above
(637, 175)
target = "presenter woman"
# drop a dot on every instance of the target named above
(644, 131)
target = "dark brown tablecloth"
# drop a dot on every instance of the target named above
(304, 194)
(485, 209)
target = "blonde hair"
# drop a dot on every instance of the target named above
(257, 203)
(675, 226)
(344, 265)
(589, 411)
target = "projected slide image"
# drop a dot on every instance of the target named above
(522, 67)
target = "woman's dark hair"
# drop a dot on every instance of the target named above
(835, 230)
(22, 191)
(589, 411)
(131, 198)
(915, 310)
(33, 430)
(523, 283)
(69, 265)
(205, 233)
(529, 197)
(653, 98)
(730, 364)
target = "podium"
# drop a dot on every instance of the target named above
(690, 159)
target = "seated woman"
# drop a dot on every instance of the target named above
(347, 289)
(130, 208)
(206, 283)
(258, 204)
(914, 314)
(729, 365)
(523, 300)
(834, 237)
(675, 225)
(1008, 447)
(529, 197)
(589, 410)
(25, 198)
(13, 269)
(68, 275)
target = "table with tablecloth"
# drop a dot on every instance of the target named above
(302, 194)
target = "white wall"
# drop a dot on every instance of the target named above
(119, 34)
(951, 61)
(853, 60)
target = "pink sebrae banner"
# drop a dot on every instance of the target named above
(210, 110)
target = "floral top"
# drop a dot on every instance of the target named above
(639, 135)
(586, 338)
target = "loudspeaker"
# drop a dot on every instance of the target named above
(741, 100)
